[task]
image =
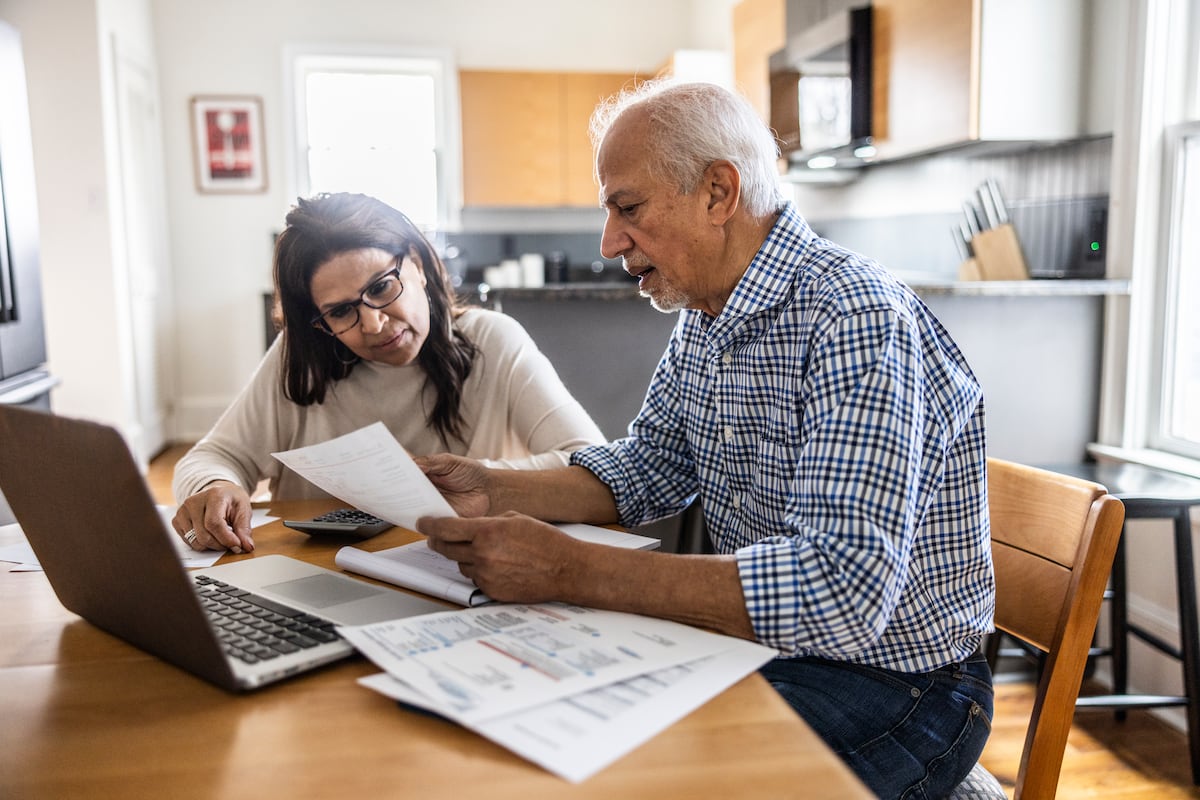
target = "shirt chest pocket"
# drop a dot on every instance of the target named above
(773, 483)
(781, 423)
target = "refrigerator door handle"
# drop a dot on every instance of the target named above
(8, 309)
(29, 391)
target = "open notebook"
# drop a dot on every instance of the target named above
(414, 566)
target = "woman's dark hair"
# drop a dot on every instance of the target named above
(322, 227)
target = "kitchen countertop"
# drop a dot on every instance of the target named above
(1043, 287)
(565, 292)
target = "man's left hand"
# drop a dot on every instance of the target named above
(512, 558)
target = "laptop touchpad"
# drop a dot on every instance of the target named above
(322, 591)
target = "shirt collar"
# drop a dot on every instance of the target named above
(770, 279)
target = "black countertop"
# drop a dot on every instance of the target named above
(568, 292)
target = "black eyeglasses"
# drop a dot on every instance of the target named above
(382, 292)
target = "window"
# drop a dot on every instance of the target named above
(1169, 395)
(381, 124)
(1178, 407)
(1150, 405)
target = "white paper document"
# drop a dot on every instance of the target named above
(482, 663)
(579, 735)
(24, 559)
(198, 559)
(369, 470)
(19, 554)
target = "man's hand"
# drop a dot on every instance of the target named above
(512, 558)
(216, 518)
(462, 481)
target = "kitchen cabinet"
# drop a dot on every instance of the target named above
(759, 29)
(525, 136)
(949, 72)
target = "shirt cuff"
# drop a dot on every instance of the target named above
(605, 463)
(771, 586)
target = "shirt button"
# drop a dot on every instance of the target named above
(737, 501)
(727, 359)
(728, 434)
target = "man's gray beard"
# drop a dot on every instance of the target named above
(667, 302)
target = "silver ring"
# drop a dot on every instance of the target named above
(190, 536)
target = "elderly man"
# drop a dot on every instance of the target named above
(830, 426)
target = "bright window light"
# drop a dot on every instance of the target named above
(1181, 412)
(377, 125)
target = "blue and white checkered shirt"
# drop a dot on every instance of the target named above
(835, 435)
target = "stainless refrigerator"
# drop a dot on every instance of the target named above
(24, 379)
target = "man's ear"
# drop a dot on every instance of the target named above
(724, 185)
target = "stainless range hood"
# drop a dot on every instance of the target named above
(821, 92)
(825, 43)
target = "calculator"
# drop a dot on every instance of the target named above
(348, 522)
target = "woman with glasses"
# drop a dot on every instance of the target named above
(372, 331)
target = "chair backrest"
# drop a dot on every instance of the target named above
(1053, 541)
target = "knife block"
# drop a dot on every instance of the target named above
(969, 270)
(998, 255)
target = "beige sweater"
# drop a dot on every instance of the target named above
(517, 413)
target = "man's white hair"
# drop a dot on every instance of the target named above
(691, 126)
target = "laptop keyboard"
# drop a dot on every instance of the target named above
(252, 628)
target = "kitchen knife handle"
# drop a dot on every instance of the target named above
(998, 200)
(971, 216)
(958, 233)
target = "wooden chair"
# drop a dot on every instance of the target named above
(1053, 540)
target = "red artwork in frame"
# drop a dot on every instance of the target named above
(227, 133)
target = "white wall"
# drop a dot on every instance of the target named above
(221, 245)
(68, 49)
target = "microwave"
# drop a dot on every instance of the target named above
(820, 89)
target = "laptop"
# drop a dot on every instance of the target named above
(84, 506)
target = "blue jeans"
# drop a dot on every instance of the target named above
(906, 735)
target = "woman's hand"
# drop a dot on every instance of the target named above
(216, 518)
(463, 482)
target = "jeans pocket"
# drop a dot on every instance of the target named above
(949, 769)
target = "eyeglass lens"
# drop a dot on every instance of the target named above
(382, 292)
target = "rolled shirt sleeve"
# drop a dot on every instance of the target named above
(835, 435)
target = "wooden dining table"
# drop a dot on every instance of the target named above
(85, 715)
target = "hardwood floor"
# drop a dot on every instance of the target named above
(158, 476)
(1141, 758)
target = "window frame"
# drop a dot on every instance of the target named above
(438, 63)
(1154, 95)
(1159, 409)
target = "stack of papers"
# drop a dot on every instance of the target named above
(569, 688)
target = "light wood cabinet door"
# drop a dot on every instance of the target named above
(925, 74)
(512, 138)
(525, 136)
(759, 29)
(581, 93)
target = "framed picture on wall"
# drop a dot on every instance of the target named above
(228, 142)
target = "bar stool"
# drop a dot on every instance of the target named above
(1150, 494)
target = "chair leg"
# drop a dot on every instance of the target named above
(1189, 636)
(1118, 616)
